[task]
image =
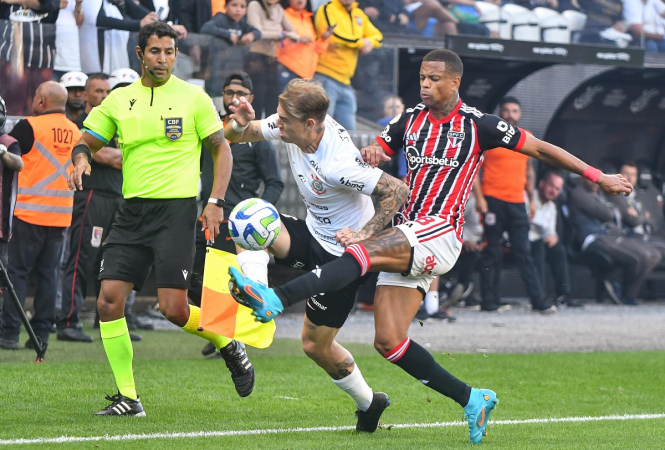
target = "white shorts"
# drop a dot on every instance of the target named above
(434, 251)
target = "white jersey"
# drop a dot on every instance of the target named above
(335, 183)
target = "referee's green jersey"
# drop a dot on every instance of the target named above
(160, 131)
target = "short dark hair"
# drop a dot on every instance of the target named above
(159, 29)
(509, 99)
(630, 163)
(96, 76)
(452, 60)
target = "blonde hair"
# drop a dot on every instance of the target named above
(304, 99)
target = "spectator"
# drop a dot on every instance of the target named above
(67, 55)
(261, 64)
(232, 25)
(651, 199)
(10, 164)
(116, 19)
(422, 11)
(637, 222)
(299, 59)
(507, 177)
(28, 62)
(545, 244)
(74, 82)
(393, 106)
(43, 209)
(194, 14)
(353, 35)
(645, 17)
(254, 164)
(389, 16)
(594, 220)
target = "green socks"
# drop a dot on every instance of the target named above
(192, 327)
(119, 352)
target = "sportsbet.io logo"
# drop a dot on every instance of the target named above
(414, 159)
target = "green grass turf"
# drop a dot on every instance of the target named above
(183, 392)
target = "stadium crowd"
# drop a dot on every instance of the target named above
(237, 48)
(282, 39)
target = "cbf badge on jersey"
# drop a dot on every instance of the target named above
(173, 128)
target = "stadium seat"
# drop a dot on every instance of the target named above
(553, 26)
(490, 16)
(576, 23)
(521, 24)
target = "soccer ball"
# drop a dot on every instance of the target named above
(254, 224)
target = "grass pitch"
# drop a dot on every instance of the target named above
(184, 393)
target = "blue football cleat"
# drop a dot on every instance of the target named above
(256, 296)
(481, 403)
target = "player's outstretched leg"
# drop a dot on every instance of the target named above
(394, 307)
(321, 347)
(233, 352)
(268, 303)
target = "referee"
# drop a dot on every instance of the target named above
(161, 122)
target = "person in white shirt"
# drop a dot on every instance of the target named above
(646, 17)
(545, 244)
(67, 53)
(335, 184)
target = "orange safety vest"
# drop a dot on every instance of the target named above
(43, 195)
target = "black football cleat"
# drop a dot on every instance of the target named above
(122, 406)
(368, 421)
(242, 371)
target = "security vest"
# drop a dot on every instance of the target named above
(43, 195)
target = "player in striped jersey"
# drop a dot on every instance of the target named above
(444, 143)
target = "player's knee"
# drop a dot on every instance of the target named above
(175, 313)
(312, 348)
(382, 344)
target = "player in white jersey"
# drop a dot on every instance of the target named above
(335, 185)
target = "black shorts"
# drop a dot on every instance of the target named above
(332, 308)
(147, 232)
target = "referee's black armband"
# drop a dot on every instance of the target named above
(82, 149)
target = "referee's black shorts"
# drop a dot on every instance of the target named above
(147, 232)
(329, 309)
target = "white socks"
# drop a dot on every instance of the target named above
(432, 302)
(356, 386)
(254, 265)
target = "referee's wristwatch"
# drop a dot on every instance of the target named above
(217, 201)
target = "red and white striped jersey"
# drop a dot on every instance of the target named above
(444, 156)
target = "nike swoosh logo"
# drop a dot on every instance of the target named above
(249, 291)
(482, 418)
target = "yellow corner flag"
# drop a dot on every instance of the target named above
(220, 313)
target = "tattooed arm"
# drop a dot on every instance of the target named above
(392, 193)
(222, 164)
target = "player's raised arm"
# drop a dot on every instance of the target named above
(81, 158)
(242, 127)
(558, 157)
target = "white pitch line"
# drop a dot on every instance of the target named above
(197, 434)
